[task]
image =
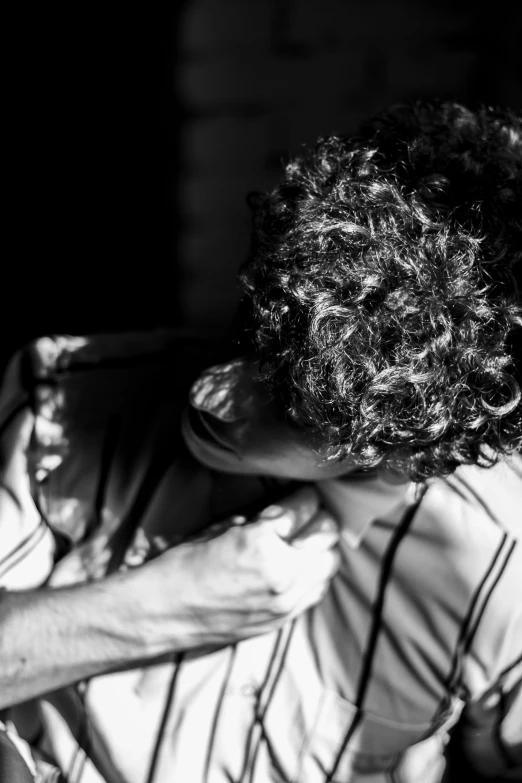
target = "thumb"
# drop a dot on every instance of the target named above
(292, 513)
(320, 533)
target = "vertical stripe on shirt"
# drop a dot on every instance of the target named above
(156, 470)
(217, 711)
(254, 733)
(475, 609)
(366, 671)
(249, 741)
(169, 700)
(260, 713)
(500, 572)
(78, 763)
(511, 666)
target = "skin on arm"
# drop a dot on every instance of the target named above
(246, 580)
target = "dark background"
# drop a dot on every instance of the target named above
(134, 136)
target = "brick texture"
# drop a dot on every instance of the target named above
(258, 78)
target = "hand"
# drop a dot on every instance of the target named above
(251, 577)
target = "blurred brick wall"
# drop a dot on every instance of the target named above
(135, 133)
(257, 78)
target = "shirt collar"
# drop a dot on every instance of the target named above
(357, 502)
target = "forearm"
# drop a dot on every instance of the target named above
(53, 637)
(242, 581)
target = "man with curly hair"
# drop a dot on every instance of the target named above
(372, 355)
(379, 327)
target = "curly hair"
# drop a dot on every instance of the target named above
(380, 291)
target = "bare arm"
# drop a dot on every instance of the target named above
(245, 581)
(52, 637)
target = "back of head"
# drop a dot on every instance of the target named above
(379, 289)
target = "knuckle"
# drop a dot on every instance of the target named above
(246, 537)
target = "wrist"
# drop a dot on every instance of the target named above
(155, 592)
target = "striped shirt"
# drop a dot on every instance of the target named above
(419, 636)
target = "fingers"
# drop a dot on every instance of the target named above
(317, 568)
(295, 570)
(296, 543)
(308, 585)
(321, 532)
(311, 598)
(292, 512)
(308, 589)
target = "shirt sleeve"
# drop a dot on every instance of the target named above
(26, 544)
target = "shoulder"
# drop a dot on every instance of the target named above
(474, 518)
(474, 521)
(478, 505)
(106, 410)
(493, 493)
